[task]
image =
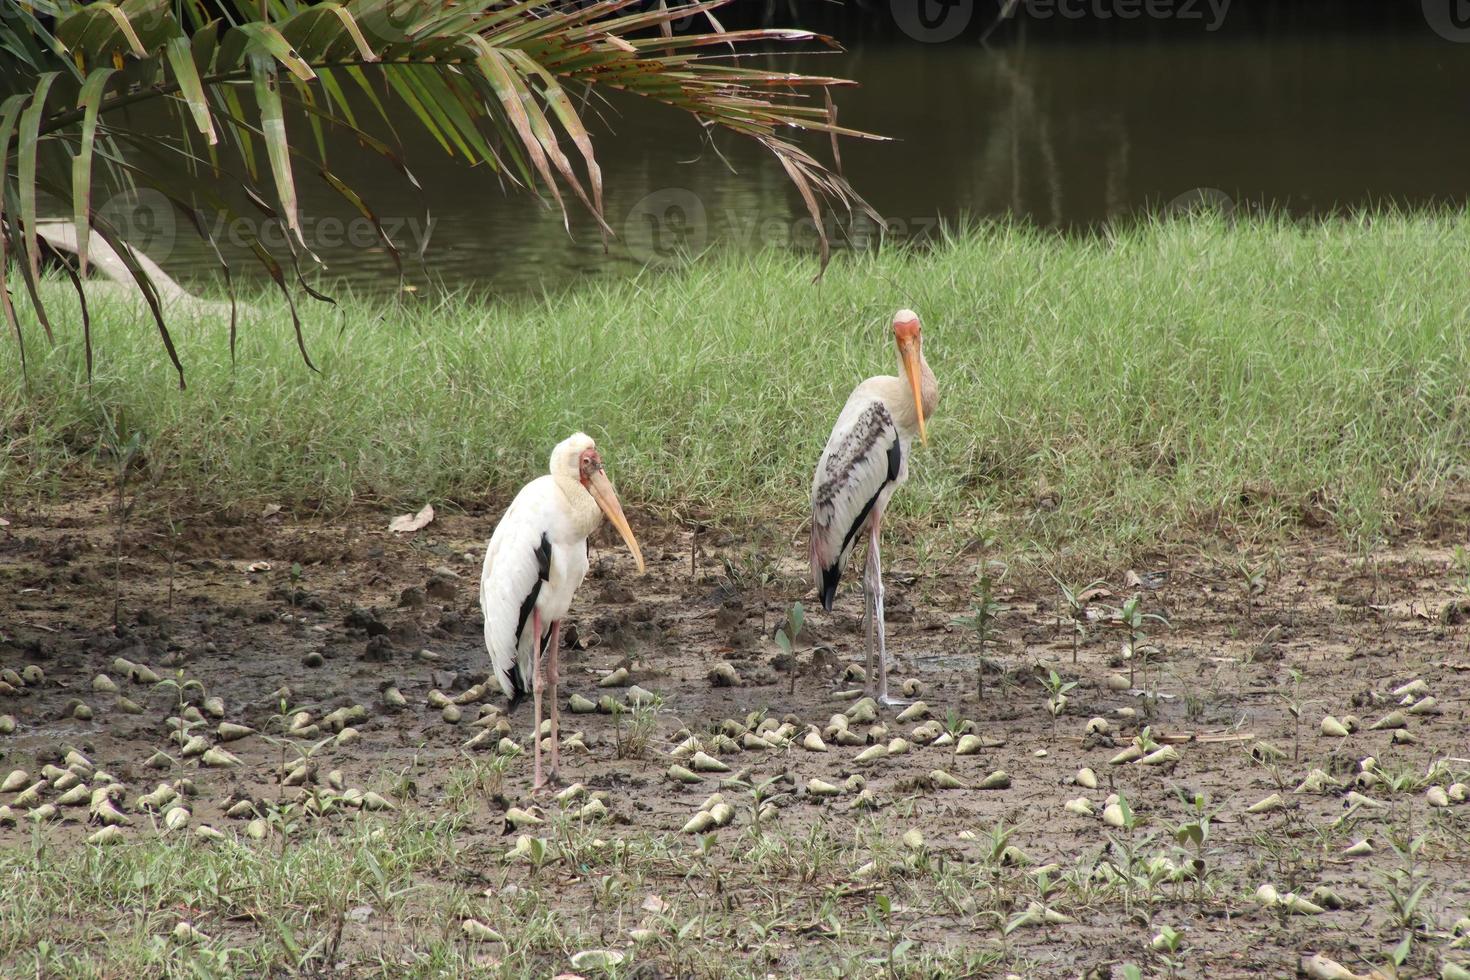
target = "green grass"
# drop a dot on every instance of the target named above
(105, 911)
(388, 894)
(1099, 397)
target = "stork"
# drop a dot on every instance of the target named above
(536, 559)
(866, 460)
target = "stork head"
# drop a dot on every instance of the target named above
(578, 456)
(910, 344)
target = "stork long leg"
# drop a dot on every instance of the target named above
(538, 783)
(876, 566)
(553, 674)
(868, 625)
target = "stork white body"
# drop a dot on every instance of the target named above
(865, 461)
(536, 559)
(538, 522)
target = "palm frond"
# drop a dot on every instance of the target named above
(497, 83)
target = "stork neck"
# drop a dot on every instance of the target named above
(900, 396)
(582, 511)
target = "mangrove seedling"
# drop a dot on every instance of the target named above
(1131, 618)
(1074, 598)
(984, 611)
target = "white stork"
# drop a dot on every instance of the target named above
(866, 459)
(536, 559)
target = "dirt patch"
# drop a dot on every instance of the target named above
(273, 616)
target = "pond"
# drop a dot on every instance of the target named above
(1069, 124)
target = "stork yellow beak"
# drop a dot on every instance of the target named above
(910, 354)
(607, 500)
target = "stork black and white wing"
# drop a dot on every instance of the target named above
(517, 565)
(864, 456)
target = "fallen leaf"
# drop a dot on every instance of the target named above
(4, 522)
(1151, 581)
(595, 959)
(271, 510)
(654, 904)
(1098, 592)
(412, 522)
(1319, 967)
(258, 566)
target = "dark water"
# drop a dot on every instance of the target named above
(1067, 123)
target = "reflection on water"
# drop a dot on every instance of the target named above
(1068, 135)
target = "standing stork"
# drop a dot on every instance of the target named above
(866, 460)
(536, 559)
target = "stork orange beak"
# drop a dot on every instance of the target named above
(909, 351)
(602, 491)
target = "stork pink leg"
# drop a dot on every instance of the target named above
(553, 674)
(876, 564)
(537, 783)
(868, 626)
(873, 598)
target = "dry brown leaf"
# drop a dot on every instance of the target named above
(258, 566)
(1320, 967)
(412, 522)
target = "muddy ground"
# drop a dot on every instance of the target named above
(336, 611)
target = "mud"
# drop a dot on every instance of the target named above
(277, 614)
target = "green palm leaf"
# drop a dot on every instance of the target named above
(497, 82)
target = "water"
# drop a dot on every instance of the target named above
(1065, 124)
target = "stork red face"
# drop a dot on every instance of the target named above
(594, 479)
(906, 332)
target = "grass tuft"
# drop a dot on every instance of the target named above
(1098, 396)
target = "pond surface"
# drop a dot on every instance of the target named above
(1065, 128)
